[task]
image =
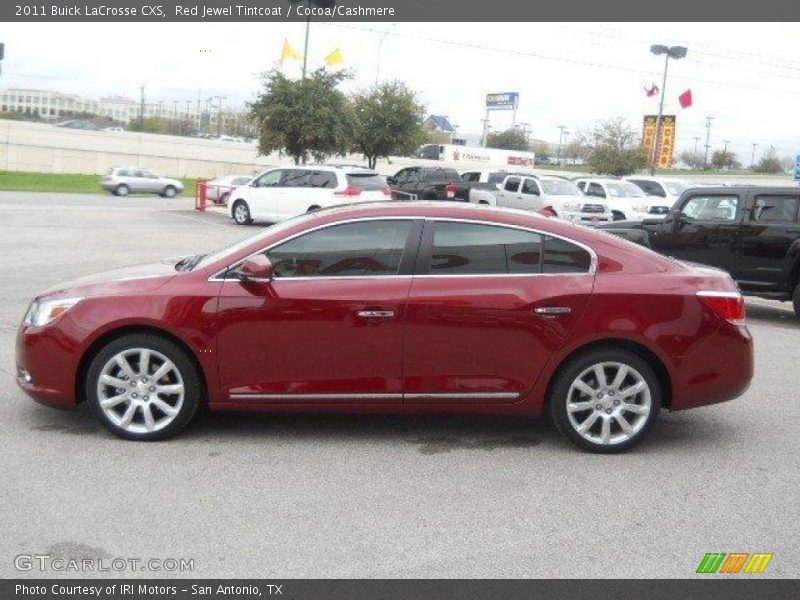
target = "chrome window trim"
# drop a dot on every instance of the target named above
(592, 254)
(378, 396)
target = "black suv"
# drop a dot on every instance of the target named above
(751, 232)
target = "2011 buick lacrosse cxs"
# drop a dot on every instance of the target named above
(396, 307)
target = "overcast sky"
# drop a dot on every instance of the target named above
(572, 74)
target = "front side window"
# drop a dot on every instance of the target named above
(775, 209)
(349, 249)
(711, 208)
(529, 186)
(595, 189)
(270, 178)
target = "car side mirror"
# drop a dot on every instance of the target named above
(255, 269)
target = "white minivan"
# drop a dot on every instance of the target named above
(284, 192)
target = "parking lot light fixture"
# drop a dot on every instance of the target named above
(676, 52)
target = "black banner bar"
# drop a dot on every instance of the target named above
(444, 11)
(710, 588)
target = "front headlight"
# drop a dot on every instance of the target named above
(42, 312)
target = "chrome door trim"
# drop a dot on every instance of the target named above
(378, 396)
(457, 395)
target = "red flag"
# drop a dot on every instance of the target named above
(652, 91)
(685, 99)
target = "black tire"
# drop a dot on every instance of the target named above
(484, 202)
(796, 301)
(122, 190)
(241, 213)
(169, 192)
(224, 198)
(618, 216)
(193, 388)
(313, 208)
(559, 397)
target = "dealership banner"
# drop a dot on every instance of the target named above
(397, 589)
(443, 11)
(666, 140)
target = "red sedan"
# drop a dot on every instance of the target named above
(396, 307)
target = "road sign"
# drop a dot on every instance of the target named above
(502, 101)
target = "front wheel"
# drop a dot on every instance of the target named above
(618, 216)
(241, 213)
(122, 190)
(143, 387)
(605, 400)
(169, 192)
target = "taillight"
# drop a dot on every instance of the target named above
(450, 190)
(548, 211)
(727, 305)
(387, 191)
(349, 191)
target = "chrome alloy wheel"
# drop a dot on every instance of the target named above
(241, 214)
(140, 390)
(608, 403)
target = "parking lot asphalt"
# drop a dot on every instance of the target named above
(373, 496)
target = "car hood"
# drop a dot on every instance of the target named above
(141, 278)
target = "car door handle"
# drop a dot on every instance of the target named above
(375, 314)
(552, 311)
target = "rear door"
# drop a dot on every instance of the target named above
(488, 305)
(263, 195)
(706, 231)
(531, 194)
(768, 244)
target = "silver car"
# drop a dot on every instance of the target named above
(218, 190)
(122, 181)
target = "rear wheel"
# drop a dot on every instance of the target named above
(143, 387)
(122, 190)
(169, 192)
(796, 301)
(241, 213)
(605, 400)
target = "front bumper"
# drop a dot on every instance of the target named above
(584, 217)
(46, 363)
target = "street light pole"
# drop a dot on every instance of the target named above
(708, 137)
(753, 156)
(675, 52)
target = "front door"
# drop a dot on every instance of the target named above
(509, 196)
(329, 326)
(482, 317)
(706, 231)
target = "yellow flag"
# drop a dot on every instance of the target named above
(289, 52)
(334, 58)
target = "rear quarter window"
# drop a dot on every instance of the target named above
(368, 182)
(441, 175)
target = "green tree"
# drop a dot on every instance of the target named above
(305, 117)
(510, 139)
(615, 148)
(769, 163)
(388, 122)
(436, 136)
(722, 159)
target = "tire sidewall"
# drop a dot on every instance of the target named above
(170, 191)
(193, 388)
(560, 389)
(245, 221)
(122, 190)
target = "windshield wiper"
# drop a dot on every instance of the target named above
(188, 263)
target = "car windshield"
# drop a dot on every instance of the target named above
(623, 189)
(221, 253)
(676, 188)
(559, 187)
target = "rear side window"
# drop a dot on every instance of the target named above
(349, 249)
(441, 175)
(478, 249)
(512, 184)
(322, 179)
(368, 182)
(295, 178)
(775, 209)
(711, 208)
(529, 186)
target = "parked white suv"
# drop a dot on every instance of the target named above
(664, 192)
(626, 200)
(284, 192)
(547, 194)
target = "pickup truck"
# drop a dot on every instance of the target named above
(752, 232)
(428, 183)
(547, 194)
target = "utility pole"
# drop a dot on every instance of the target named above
(694, 156)
(305, 49)
(485, 134)
(380, 49)
(220, 100)
(726, 142)
(708, 137)
(141, 104)
(561, 134)
(753, 156)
